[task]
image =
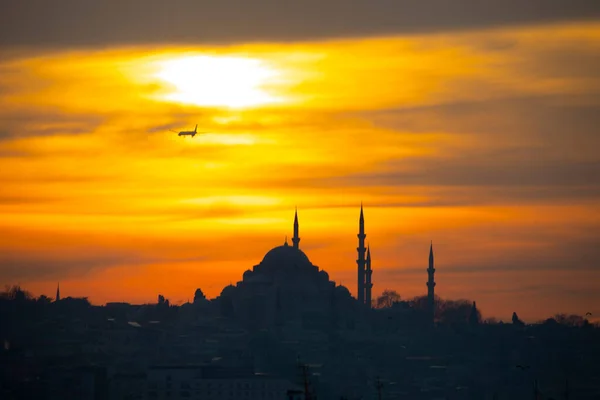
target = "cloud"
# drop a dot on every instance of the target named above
(8, 199)
(110, 23)
(71, 254)
(21, 267)
(10, 153)
(530, 252)
(471, 179)
(479, 170)
(523, 149)
(548, 117)
(34, 122)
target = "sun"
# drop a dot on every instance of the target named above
(218, 81)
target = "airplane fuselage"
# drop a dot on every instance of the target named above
(189, 133)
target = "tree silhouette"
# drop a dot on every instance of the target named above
(569, 320)
(387, 299)
(16, 293)
(516, 321)
(199, 296)
(44, 300)
(454, 311)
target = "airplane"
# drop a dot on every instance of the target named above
(188, 133)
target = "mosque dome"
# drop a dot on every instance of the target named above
(286, 256)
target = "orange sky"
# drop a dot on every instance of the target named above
(484, 142)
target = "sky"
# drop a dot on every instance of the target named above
(474, 127)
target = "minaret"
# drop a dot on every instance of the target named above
(368, 284)
(58, 292)
(361, 257)
(431, 285)
(296, 238)
(473, 319)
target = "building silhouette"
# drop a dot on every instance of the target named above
(431, 285)
(286, 287)
(361, 261)
(368, 283)
(296, 238)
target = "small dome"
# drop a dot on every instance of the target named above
(227, 290)
(343, 290)
(324, 274)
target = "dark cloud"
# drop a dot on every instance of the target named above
(482, 170)
(550, 117)
(527, 150)
(8, 199)
(9, 153)
(29, 267)
(46, 122)
(575, 59)
(66, 254)
(69, 177)
(576, 255)
(26, 267)
(482, 178)
(111, 22)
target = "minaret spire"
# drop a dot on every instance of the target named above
(361, 220)
(361, 262)
(431, 284)
(296, 238)
(368, 283)
(58, 292)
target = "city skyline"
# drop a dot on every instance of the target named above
(363, 259)
(482, 139)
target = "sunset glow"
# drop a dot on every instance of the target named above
(218, 81)
(475, 140)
